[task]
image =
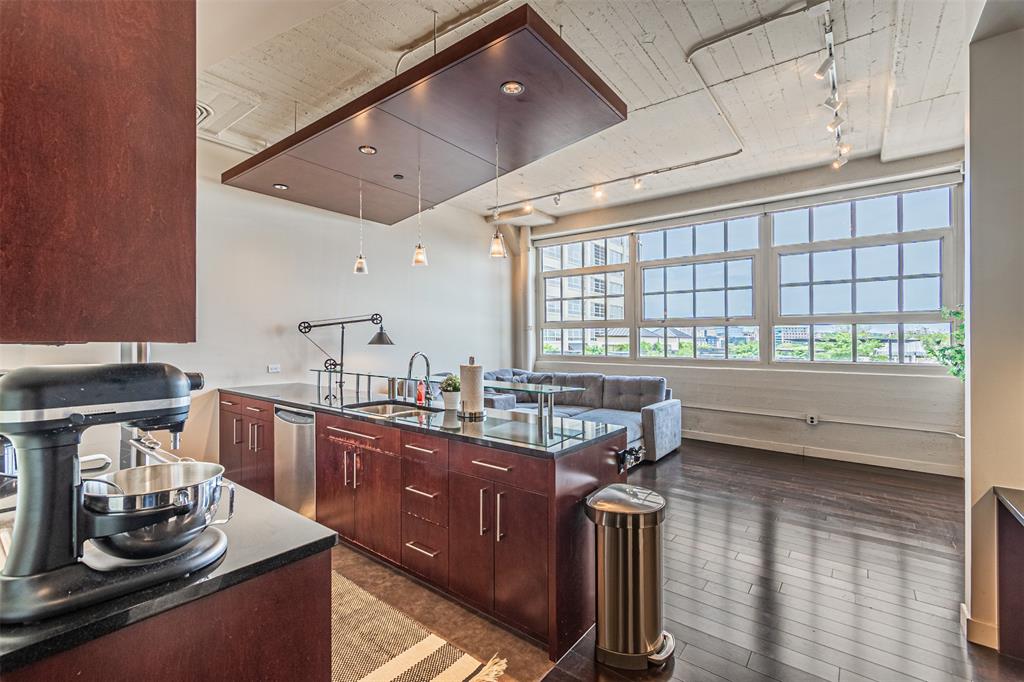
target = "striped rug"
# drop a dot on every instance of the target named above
(372, 641)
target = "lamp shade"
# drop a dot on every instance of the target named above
(360, 267)
(381, 338)
(498, 249)
(419, 256)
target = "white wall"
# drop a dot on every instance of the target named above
(264, 265)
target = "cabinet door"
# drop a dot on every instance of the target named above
(521, 558)
(258, 457)
(232, 440)
(335, 496)
(470, 539)
(379, 503)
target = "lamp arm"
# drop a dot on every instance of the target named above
(306, 327)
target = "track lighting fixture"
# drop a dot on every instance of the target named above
(557, 199)
(834, 124)
(528, 207)
(833, 102)
(839, 162)
(844, 148)
(638, 183)
(824, 68)
(598, 192)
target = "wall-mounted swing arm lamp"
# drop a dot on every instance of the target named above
(380, 338)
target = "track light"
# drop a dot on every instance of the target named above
(844, 148)
(833, 102)
(598, 192)
(834, 124)
(839, 162)
(557, 199)
(824, 68)
(638, 183)
(528, 207)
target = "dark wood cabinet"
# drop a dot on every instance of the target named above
(98, 151)
(335, 496)
(378, 503)
(521, 558)
(231, 442)
(247, 443)
(258, 456)
(471, 539)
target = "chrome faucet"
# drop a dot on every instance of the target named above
(426, 377)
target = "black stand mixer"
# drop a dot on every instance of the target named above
(44, 411)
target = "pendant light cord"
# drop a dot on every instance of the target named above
(419, 184)
(360, 217)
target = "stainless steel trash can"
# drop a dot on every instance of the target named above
(629, 537)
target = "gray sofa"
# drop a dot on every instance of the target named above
(644, 405)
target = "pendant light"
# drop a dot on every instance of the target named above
(498, 249)
(419, 256)
(360, 266)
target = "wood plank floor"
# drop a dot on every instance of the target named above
(784, 568)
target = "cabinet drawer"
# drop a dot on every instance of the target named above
(521, 471)
(363, 434)
(424, 448)
(425, 491)
(230, 403)
(257, 409)
(425, 550)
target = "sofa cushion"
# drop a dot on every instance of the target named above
(503, 374)
(530, 378)
(631, 420)
(632, 393)
(591, 396)
(531, 409)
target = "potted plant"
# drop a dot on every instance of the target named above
(451, 392)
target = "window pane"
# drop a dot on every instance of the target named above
(572, 287)
(652, 245)
(616, 309)
(572, 255)
(553, 311)
(710, 238)
(879, 296)
(711, 343)
(878, 261)
(710, 275)
(832, 265)
(572, 310)
(741, 302)
(740, 273)
(593, 342)
(572, 342)
(921, 258)
(796, 300)
(654, 306)
(795, 268)
(551, 342)
(743, 344)
(594, 252)
(679, 278)
(593, 285)
(680, 305)
(790, 227)
(654, 280)
(876, 216)
(680, 242)
(679, 342)
(710, 304)
(792, 343)
(652, 342)
(878, 343)
(553, 287)
(925, 210)
(618, 249)
(921, 294)
(593, 309)
(833, 343)
(551, 258)
(616, 283)
(618, 342)
(831, 221)
(918, 339)
(742, 234)
(832, 298)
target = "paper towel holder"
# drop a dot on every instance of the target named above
(462, 413)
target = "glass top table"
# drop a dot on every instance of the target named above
(545, 399)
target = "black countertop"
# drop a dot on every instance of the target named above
(1013, 500)
(262, 536)
(514, 431)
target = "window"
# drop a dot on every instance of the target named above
(860, 280)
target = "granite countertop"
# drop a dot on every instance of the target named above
(1013, 500)
(262, 536)
(514, 431)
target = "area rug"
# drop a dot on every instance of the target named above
(373, 641)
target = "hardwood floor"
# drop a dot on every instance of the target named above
(779, 567)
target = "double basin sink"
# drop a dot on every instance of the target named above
(390, 409)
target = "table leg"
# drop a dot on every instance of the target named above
(551, 415)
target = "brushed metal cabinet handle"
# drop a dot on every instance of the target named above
(344, 466)
(352, 433)
(355, 467)
(492, 466)
(423, 450)
(497, 517)
(236, 433)
(228, 402)
(253, 409)
(412, 545)
(256, 437)
(251, 424)
(420, 492)
(483, 491)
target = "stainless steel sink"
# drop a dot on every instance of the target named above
(389, 409)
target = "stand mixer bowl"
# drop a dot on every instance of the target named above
(193, 489)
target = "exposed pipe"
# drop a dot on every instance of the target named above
(472, 16)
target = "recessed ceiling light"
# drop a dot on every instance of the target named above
(367, 149)
(398, 176)
(279, 185)
(514, 88)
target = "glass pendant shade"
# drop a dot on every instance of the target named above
(498, 249)
(419, 256)
(360, 266)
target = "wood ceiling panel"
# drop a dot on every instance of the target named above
(450, 104)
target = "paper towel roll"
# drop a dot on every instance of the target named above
(472, 377)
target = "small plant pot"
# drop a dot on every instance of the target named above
(451, 399)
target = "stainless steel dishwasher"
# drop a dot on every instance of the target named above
(295, 460)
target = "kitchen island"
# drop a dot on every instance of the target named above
(488, 512)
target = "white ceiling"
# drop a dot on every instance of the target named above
(901, 66)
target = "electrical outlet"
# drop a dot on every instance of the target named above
(273, 369)
(812, 419)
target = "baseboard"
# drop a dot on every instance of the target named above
(979, 632)
(955, 470)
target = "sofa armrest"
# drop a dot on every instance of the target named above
(499, 401)
(663, 428)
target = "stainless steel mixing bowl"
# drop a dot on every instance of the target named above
(192, 489)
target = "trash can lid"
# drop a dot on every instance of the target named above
(621, 505)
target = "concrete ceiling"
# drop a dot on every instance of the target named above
(901, 66)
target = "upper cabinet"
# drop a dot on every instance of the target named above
(98, 188)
